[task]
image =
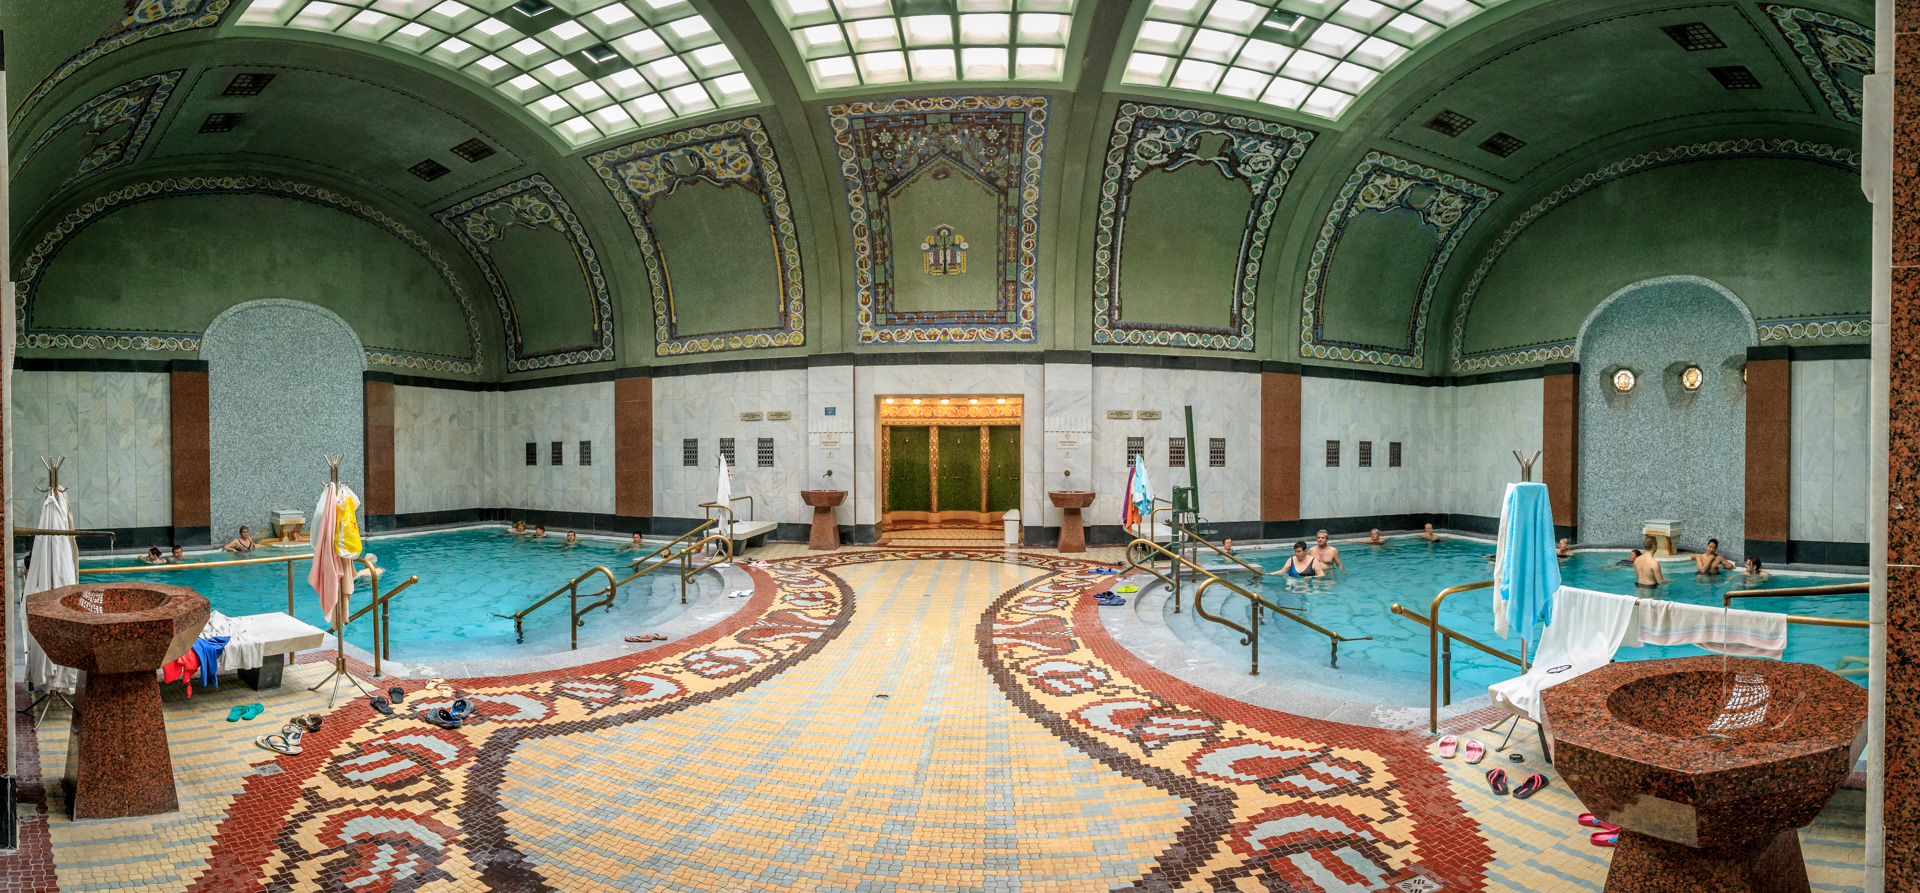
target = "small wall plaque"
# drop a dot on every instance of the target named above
(750, 416)
(1148, 415)
(1068, 440)
(780, 415)
(830, 440)
(1119, 413)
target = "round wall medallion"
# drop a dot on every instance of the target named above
(1690, 378)
(1623, 380)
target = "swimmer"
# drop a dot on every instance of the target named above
(1754, 573)
(242, 543)
(1564, 549)
(179, 556)
(1633, 555)
(1302, 564)
(1711, 561)
(634, 544)
(519, 528)
(572, 540)
(1373, 538)
(539, 530)
(370, 568)
(1324, 554)
(153, 556)
(1429, 535)
(1646, 569)
(1227, 546)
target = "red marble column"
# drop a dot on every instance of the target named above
(1769, 452)
(1900, 789)
(633, 444)
(377, 403)
(1280, 446)
(1560, 444)
(192, 471)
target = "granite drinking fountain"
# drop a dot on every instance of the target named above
(118, 762)
(1707, 764)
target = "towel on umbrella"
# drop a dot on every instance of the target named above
(1525, 571)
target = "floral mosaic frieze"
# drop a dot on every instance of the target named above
(728, 154)
(144, 19)
(36, 259)
(1148, 138)
(1836, 52)
(136, 104)
(883, 147)
(1463, 362)
(533, 203)
(1383, 183)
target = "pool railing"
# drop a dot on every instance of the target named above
(1199, 541)
(382, 619)
(604, 598)
(1249, 636)
(570, 589)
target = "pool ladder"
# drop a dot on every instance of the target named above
(1141, 555)
(603, 598)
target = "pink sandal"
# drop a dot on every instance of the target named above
(1475, 751)
(1605, 838)
(1588, 819)
(1448, 747)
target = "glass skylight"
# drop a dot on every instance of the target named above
(589, 69)
(851, 43)
(1312, 56)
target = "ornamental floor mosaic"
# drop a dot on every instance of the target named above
(876, 719)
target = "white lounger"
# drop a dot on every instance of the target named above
(258, 645)
(743, 532)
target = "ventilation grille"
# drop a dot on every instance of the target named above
(726, 450)
(764, 450)
(1366, 454)
(429, 170)
(1393, 454)
(1136, 447)
(533, 454)
(1502, 144)
(1216, 452)
(248, 84)
(219, 122)
(1333, 454)
(1734, 77)
(1176, 452)
(1450, 123)
(472, 150)
(586, 452)
(559, 454)
(1694, 37)
(690, 452)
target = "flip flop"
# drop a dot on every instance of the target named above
(278, 744)
(1531, 786)
(381, 706)
(440, 717)
(1497, 780)
(658, 637)
(311, 722)
(234, 714)
(1128, 589)
(1605, 838)
(1591, 821)
(396, 694)
(1475, 751)
(639, 638)
(251, 711)
(459, 709)
(1449, 746)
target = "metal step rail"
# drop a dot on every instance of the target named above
(382, 619)
(687, 568)
(1199, 540)
(667, 548)
(571, 589)
(1860, 588)
(1250, 637)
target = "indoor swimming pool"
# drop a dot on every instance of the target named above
(466, 577)
(1392, 667)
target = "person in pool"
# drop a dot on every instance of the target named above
(1227, 546)
(572, 540)
(153, 556)
(370, 567)
(1302, 564)
(1373, 538)
(1711, 561)
(1754, 573)
(179, 556)
(242, 543)
(519, 528)
(633, 545)
(1646, 569)
(1325, 554)
(1429, 535)
(1564, 549)
(539, 530)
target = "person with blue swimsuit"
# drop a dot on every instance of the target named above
(1302, 564)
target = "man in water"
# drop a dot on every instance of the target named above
(1754, 573)
(572, 540)
(1326, 555)
(1563, 550)
(1646, 569)
(634, 545)
(242, 543)
(1429, 535)
(1373, 539)
(179, 556)
(1711, 561)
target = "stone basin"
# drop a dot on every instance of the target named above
(1071, 499)
(117, 628)
(1707, 772)
(824, 536)
(819, 498)
(1073, 531)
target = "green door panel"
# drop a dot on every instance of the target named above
(960, 469)
(1003, 468)
(908, 487)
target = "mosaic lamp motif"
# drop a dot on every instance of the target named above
(1690, 378)
(1623, 380)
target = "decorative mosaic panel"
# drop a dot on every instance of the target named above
(136, 103)
(725, 154)
(1563, 350)
(884, 146)
(1382, 183)
(534, 204)
(35, 262)
(147, 18)
(1154, 137)
(1837, 53)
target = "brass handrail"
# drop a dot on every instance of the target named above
(687, 570)
(41, 531)
(1256, 603)
(731, 517)
(197, 565)
(572, 589)
(1228, 555)
(382, 620)
(667, 548)
(1860, 588)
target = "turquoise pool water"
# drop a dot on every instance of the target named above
(466, 576)
(1392, 668)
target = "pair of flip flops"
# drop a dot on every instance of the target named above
(740, 593)
(1109, 600)
(647, 637)
(1450, 747)
(395, 695)
(247, 711)
(1497, 780)
(1608, 835)
(452, 716)
(286, 742)
(1127, 589)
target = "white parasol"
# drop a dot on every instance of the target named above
(53, 565)
(723, 496)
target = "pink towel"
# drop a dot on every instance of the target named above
(327, 566)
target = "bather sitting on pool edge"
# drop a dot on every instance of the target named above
(243, 543)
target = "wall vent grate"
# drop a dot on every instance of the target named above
(1734, 77)
(1216, 452)
(1333, 454)
(1502, 144)
(764, 451)
(220, 122)
(1176, 452)
(1393, 454)
(559, 453)
(533, 453)
(247, 84)
(1136, 448)
(726, 450)
(586, 452)
(1694, 37)
(429, 170)
(690, 452)
(1449, 123)
(473, 150)
(1366, 454)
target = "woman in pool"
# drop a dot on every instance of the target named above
(1373, 539)
(1302, 564)
(1429, 535)
(243, 543)
(539, 530)
(1564, 549)
(153, 556)
(519, 528)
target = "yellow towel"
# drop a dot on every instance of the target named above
(347, 539)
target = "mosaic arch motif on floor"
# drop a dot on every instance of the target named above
(535, 204)
(136, 103)
(146, 19)
(1382, 184)
(36, 260)
(1837, 53)
(732, 153)
(1155, 137)
(1769, 329)
(884, 146)
(394, 804)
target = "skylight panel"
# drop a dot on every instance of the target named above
(983, 64)
(883, 68)
(1039, 63)
(872, 34)
(848, 43)
(1314, 56)
(924, 31)
(1045, 29)
(834, 71)
(933, 65)
(589, 69)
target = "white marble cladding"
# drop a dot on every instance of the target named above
(1487, 423)
(707, 408)
(568, 414)
(1225, 404)
(114, 430)
(440, 450)
(1828, 499)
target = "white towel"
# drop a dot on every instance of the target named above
(1716, 629)
(1500, 561)
(1587, 629)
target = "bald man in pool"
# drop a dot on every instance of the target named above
(1646, 569)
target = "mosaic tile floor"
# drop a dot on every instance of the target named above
(874, 720)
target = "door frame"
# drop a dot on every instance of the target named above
(943, 411)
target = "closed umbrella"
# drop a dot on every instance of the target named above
(52, 566)
(723, 495)
(1526, 573)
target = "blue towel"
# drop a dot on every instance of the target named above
(1528, 572)
(209, 653)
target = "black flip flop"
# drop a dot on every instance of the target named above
(1497, 780)
(381, 706)
(396, 695)
(1533, 785)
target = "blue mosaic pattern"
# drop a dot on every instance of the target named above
(533, 203)
(883, 145)
(35, 262)
(147, 18)
(1462, 362)
(1151, 137)
(1382, 183)
(136, 103)
(1837, 53)
(726, 153)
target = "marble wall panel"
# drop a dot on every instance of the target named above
(568, 414)
(1354, 411)
(1827, 501)
(113, 429)
(1225, 404)
(708, 408)
(439, 451)
(1488, 423)
(831, 387)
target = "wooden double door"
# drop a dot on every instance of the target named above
(950, 474)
